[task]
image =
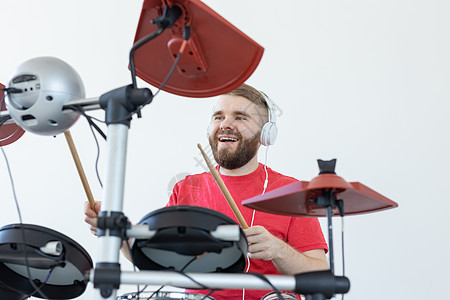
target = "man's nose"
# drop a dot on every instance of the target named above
(227, 123)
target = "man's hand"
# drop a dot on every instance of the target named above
(262, 244)
(91, 215)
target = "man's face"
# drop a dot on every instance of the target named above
(234, 131)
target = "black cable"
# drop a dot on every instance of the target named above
(184, 274)
(79, 109)
(340, 204)
(207, 295)
(343, 256)
(10, 288)
(27, 264)
(98, 149)
(97, 157)
(127, 242)
(95, 119)
(42, 285)
(136, 46)
(1, 123)
(155, 292)
(138, 109)
(1, 104)
(17, 206)
(202, 286)
(92, 126)
(186, 35)
(181, 270)
(172, 69)
(263, 278)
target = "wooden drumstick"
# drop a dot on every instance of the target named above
(224, 190)
(77, 161)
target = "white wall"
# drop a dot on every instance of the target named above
(366, 82)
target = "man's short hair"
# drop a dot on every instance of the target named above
(252, 94)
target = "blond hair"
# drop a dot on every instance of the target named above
(253, 95)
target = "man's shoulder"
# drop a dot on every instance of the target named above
(278, 180)
(281, 176)
(193, 178)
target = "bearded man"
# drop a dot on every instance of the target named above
(277, 244)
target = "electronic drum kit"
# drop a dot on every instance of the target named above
(41, 262)
(184, 239)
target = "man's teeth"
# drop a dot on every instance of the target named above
(227, 139)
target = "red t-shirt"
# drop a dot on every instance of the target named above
(303, 234)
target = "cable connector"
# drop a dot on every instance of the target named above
(186, 32)
(12, 90)
(168, 18)
(340, 205)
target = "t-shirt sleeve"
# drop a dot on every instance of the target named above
(305, 234)
(173, 200)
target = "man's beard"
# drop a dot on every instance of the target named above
(230, 160)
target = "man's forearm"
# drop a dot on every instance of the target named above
(290, 261)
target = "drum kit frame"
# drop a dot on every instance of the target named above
(107, 276)
(316, 200)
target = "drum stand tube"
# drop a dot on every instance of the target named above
(222, 232)
(211, 280)
(118, 105)
(316, 285)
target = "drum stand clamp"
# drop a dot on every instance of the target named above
(116, 223)
(107, 274)
(106, 278)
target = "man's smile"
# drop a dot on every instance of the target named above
(227, 139)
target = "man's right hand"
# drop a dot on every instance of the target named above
(91, 215)
(91, 219)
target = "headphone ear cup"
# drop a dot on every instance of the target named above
(269, 134)
(269, 131)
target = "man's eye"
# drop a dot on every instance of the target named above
(240, 118)
(218, 118)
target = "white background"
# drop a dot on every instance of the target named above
(366, 82)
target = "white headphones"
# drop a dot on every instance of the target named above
(269, 131)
